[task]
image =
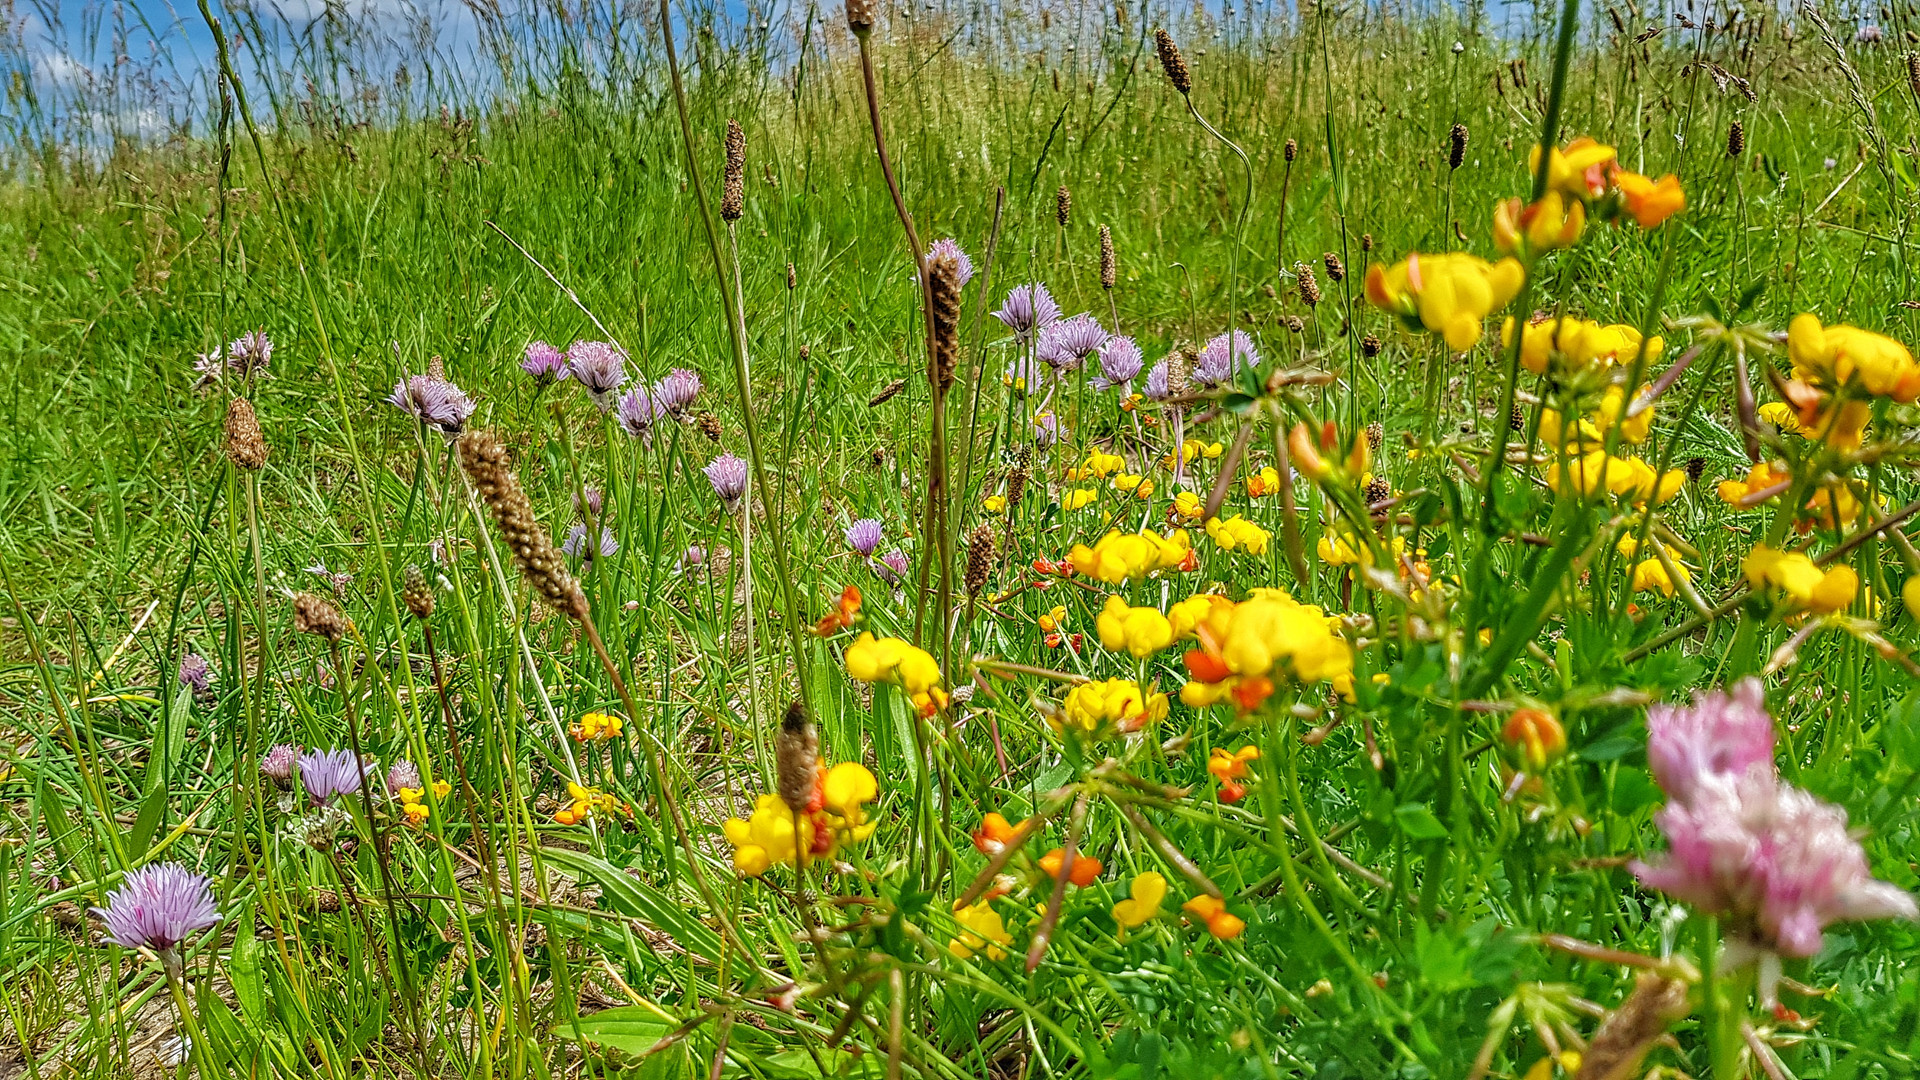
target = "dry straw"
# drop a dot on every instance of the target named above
(246, 446)
(490, 469)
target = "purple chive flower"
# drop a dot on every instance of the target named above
(600, 367)
(728, 475)
(156, 907)
(327, 773)
(433, 401)
(675, 391)
(637, 410)
(694, 557)
(892, 567)
(1718, 735)
(1046, 429)
(1868, 35)
(196, 674)
(595, 501)
(403, 774)
(249, 353)
(1065, 345)
(545, 363)
(209, 366)
(1220, 362)
(1028, 308)
(947, 245)
(1160, 381)
(577, 547)
(277, 763)
(1026, 374)
(863, 536)
(1119, 363)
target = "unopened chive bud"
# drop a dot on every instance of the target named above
(733, 184)
(1173, 63)
(1456, 146)
(489, 468)
(1336, 270)
(1290, 151)
(1736, 139)
(980, 552)
(1370, 346)
(1309, 285)
(316, 615)
(1109, 263)
(1062, 205)
(417, 595)
(246, 446)
(943, 286)
(796, 759)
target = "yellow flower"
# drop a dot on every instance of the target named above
(1634, 429)
(1910, 595)
(1270, 627)
(1337, 547)
(1191, 450)
(1834, 355)
(1449, 294)
(596, 725)
(1782, 416)
(1555, 436)
(1651, 575)
(412, 806)
(1237, 533)
(1649, 202)
(993, 504)
(1054, 619)
(583, 803)
(1762, 476)
(983, 930)
(1140, 631)
(1077, 498)
(1580, 342)
(1629, 477)
(1263, 483)
(913, 669)
(1579, 171)
(1553, 222)
(1145, 894)
(766, 838)
(1091, 707)
(1794, 575)
(1119, 556)
(1099, 466)
(1187, 505)
(1188, 614)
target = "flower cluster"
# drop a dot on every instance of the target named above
(596, 727)
(1117, 556)
(1109, 705)
(891, 660)
(584, 802)
(1243, 646)
(775, 833)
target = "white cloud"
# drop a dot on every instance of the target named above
(60, 70)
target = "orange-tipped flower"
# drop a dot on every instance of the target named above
(1229, 767)
(844, 614)
(1532, 228)
(1649, 202)
(1535, 736)
(1212, 911)
(994, 834)
(1085, 870)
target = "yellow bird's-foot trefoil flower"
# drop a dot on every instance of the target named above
(1450, 294)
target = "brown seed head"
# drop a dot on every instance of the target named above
(793, 279)
(1109, 263)
(733, 182)
(1366, 241)
(1376, 436)
(490, 469)
(943, 282)
(1736, 139)
(1062, 206)
(326, 901)
(796, 759)
(709, 426)
(416, 593)
(1378, 490)
(1309, 285)
(246, 446)
(1456, 146)
(316, 615)
(1696, 468)
(1296, 324)
(1517, 417)
(886, 393)
(1290, 150)
(1370, 346)
(1172, 62)
(1336, 270)
(860, 17)
(1913, 73)
(980, 552)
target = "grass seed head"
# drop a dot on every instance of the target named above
(1456, 146)
(1736, 139)
(1063, 206)
(943, 281)
(490, 469)
(1696, 468)
(1336, 270)
(1376, 436)
(1290, 151)
(979, 559)
(793, 279)
(733, 186)
(1309, 284)
(1370, 346)
(1174, 64)
(1109, 263)
(246, 445)
(796, 759)
(709, 426)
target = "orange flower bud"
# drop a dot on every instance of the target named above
(1535, 735)
(1085, 871)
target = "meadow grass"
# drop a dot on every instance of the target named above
(1423, 891)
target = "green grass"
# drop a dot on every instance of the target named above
(363, 250)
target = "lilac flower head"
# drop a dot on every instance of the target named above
(892, 567)
(694, 557)
(277, 764)
(433, 401)
(1224, 357)
(1025, 374)
(403, 774)
(1160, 381)
(676, 390)
(545, 363)
(157, 906)
(209, 366)
(728, 475)
(1869, 35)
(196, 674)
(947, 245)
(249, 354)
(637, 410)
(1046, 429)
(1028, 308)
(1119, 363)
(600, 367)
(1066, 344)
(327, 773)
(577, 547)
(595, 501)
(1720, 734)
(863, 536)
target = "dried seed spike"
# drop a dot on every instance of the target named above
(1062, 206)
(416, 593)
(1736, 139)
(1376, 436)
(1630, 1031)
(733, 184)
(1172, 62)
(1913, 73)
(1370, 346)
(1378, 490)
(943, 281)
(1696, 468)
(709, 426)
(1309, 285)
(980, 553)
(1456, 146)
(1109, 263)
(886, 393)
(1336, 270)
(1290, 150)
(1517, 417)
(246, 445)
(490, 470)
(793, 279)
(316, 615)
(796, 759)
(1366, 241)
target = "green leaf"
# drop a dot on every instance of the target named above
(1418, 822)
(141, 836)
(243, 968)
(1633, 791)
(631, 1029)
(628, 895)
